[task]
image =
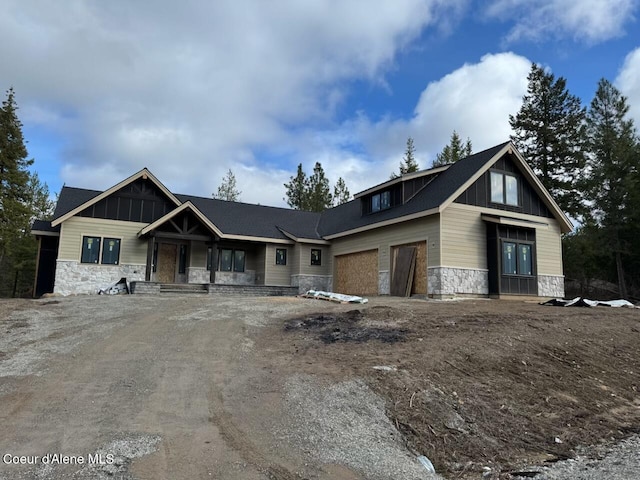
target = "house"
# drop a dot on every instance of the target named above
(484, 226)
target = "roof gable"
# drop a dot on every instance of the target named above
(91, 198)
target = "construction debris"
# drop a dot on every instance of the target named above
(585, 302)
(333, 297)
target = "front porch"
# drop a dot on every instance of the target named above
(156, 288)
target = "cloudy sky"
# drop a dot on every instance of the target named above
(191, 89)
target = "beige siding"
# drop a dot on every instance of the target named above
(198, 254)
(133, 251)
(465, 244)
(464, 238)
(385, 237)
(549, 249)
(305, 260)
(278, 274)
(260, 265)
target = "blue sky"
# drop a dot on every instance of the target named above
(190, 89)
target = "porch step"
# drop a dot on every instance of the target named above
(252, 290)
(201, 288)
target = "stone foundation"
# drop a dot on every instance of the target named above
(449, 281)
(551, 286)
(384, 282)
(78, 278)
(198, 275)
(145, 288)
(234, 278)
(312, 282)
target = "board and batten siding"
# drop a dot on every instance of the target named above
(133, 251)
(278, 274)
(464, 238)
(384, 238)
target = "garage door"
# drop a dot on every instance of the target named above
(420, 272)
(357, 273)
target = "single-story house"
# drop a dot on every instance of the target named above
(483, 226)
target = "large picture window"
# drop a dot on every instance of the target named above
(90, 249)
(238, 260)
(226, 259)
(504, 188)
(111, 251)
(229, 260)
(517, 259)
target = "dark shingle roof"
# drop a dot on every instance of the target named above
(348, 216)
(71, 197)
(236, 218)
(44, 226)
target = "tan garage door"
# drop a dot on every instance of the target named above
(420, 272)
(357, 273)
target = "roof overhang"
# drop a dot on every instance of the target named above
(315, 241)
(402, 178)
(565, 224)
(392, 221)
(144, 174)
(176, 211)
(516, 222)
(44, 233)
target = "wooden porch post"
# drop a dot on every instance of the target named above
(214, 261)
(147, 275)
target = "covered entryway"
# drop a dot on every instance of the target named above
(419, 280)
(357, 273)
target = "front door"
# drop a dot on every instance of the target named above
(166, 272)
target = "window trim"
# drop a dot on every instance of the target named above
(209, 260)
(381, 205)
(319, 260)
(517, 243)
(504, 175)
(281, 261)
(101, 239)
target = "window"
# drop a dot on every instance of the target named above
(238, 260)
(504, 188)
(90, 249)
(111, 251)
(226, 259)
(316, 256)
(381, 201)
(155, 257)
(517, 258)
(182, 259)
(281, 256)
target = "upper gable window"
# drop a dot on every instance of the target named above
(504, 188)
(381, 201)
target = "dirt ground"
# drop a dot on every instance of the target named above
(288, 388)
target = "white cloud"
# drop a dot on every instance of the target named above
(591, 21)
(193, 88)
(628, 81)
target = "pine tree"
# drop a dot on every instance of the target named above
(549, 130)
(319, 193)
(340, 192)
(22, 196)
(409, 163)
(614, 166)
(228, 190)
(296, 190)
(454, 151)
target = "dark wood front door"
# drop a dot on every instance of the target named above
(167, 253)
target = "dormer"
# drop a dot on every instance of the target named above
(397, 191)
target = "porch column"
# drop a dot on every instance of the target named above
(150, 242)
(214, 261)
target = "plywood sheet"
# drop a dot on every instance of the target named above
(357, 273)
(419, 286)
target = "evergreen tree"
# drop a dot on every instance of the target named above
(228, 189)
(319, 194)
(614, 174)
(409, 163)
(297, 189)
(549, 130)
(341, 192)
(22, 197)
(454, 151)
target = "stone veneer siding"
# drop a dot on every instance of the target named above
(384, 283)
(198, 275)
(312, 282)
(235, 278)
(76, 278)
(551, 286)
(448, 281)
